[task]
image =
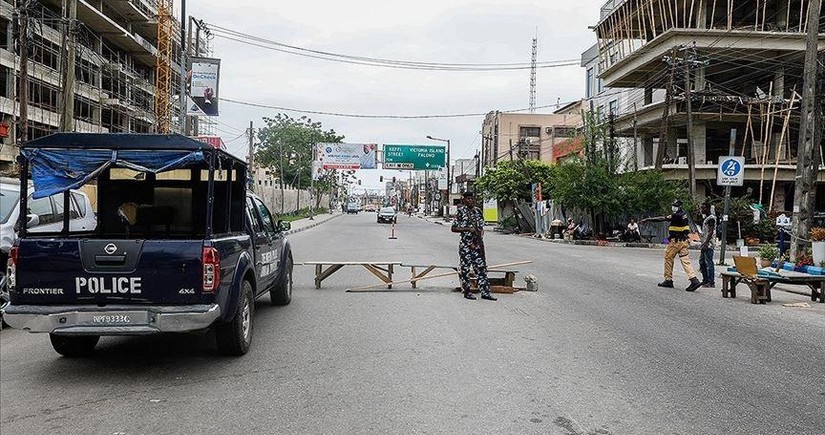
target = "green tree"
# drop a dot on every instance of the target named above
(587, 186)
(511, 180)
(286, 143)
(648, 193)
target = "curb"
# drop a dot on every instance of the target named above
(603, 243)
(298, 230)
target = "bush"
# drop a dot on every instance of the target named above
(768, 252)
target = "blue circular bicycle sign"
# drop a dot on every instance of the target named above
(731, 171)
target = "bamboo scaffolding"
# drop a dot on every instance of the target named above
(748, 126)
(713, 15)
(779, 146)
(766, 144)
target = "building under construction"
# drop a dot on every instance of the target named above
(116, 63)
(739, 63)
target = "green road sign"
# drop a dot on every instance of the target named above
(416, 157)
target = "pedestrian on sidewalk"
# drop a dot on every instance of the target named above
(469, 223)
(677, 245)
(708, 246)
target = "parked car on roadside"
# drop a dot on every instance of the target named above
(387, 215)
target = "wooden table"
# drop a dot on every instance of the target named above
(381, 269)
(761, 290)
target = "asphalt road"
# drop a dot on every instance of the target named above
(599, 349)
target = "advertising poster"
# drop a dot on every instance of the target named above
(347, 155)
(203, 90)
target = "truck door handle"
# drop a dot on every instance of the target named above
(110, 259)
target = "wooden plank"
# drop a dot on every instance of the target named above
(346, 263)
(421, 275)
(440, 275)
(377, 272)
(325, 274)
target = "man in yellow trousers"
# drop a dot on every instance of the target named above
(678, 244)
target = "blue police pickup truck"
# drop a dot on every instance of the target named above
(180, 245)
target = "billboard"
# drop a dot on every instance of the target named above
(347, 155)
(203, 87)
(215, 141)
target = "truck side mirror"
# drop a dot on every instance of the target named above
(33, 220)
(283, 226)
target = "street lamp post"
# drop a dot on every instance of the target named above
(449, 179)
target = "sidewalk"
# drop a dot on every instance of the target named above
(307, 223)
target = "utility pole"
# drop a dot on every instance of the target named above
(810, 136)
(23, 81)
(727, 205)
(68, 62)
(183, 100)
(660, 151)
(281, 169)
(252, 154)
(691, 152)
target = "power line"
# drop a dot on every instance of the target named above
(376, 61)
(351, 115)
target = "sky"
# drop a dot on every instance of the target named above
(448, 31)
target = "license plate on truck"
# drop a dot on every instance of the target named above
(115, 318)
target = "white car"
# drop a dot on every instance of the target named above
(44, 214)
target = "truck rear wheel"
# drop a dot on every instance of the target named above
(235, 337)
(74, 346)
(281, 292)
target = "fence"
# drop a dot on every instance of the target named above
(288, 200)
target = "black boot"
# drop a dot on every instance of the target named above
(488, 297)
(468, 295)
(666, 283)
(694, 284)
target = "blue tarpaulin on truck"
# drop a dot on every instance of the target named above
(58, 170)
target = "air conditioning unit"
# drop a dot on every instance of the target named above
(682, 160)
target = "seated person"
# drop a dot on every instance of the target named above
(571, 227)
(631, 234)
(582, 231)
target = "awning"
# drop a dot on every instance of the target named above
(56, 171)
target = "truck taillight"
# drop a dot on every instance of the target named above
(211, 269)
(11, 268)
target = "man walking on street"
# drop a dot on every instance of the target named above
(677, 245)
(708, 245)
(470, 224)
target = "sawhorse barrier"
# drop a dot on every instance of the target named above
(381, 269)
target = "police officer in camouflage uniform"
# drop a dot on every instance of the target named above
(470, 224)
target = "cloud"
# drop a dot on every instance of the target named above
(431, 31)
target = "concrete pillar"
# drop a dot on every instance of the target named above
(699, 136)
(779, 82)
(699, 79)
(648, 151)
(648, 96)
(672, 137)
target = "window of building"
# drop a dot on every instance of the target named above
(564, 132)
(589, 83)
(529, 132)
(4, 38)
(613, 107)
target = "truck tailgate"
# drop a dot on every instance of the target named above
(101, 272)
